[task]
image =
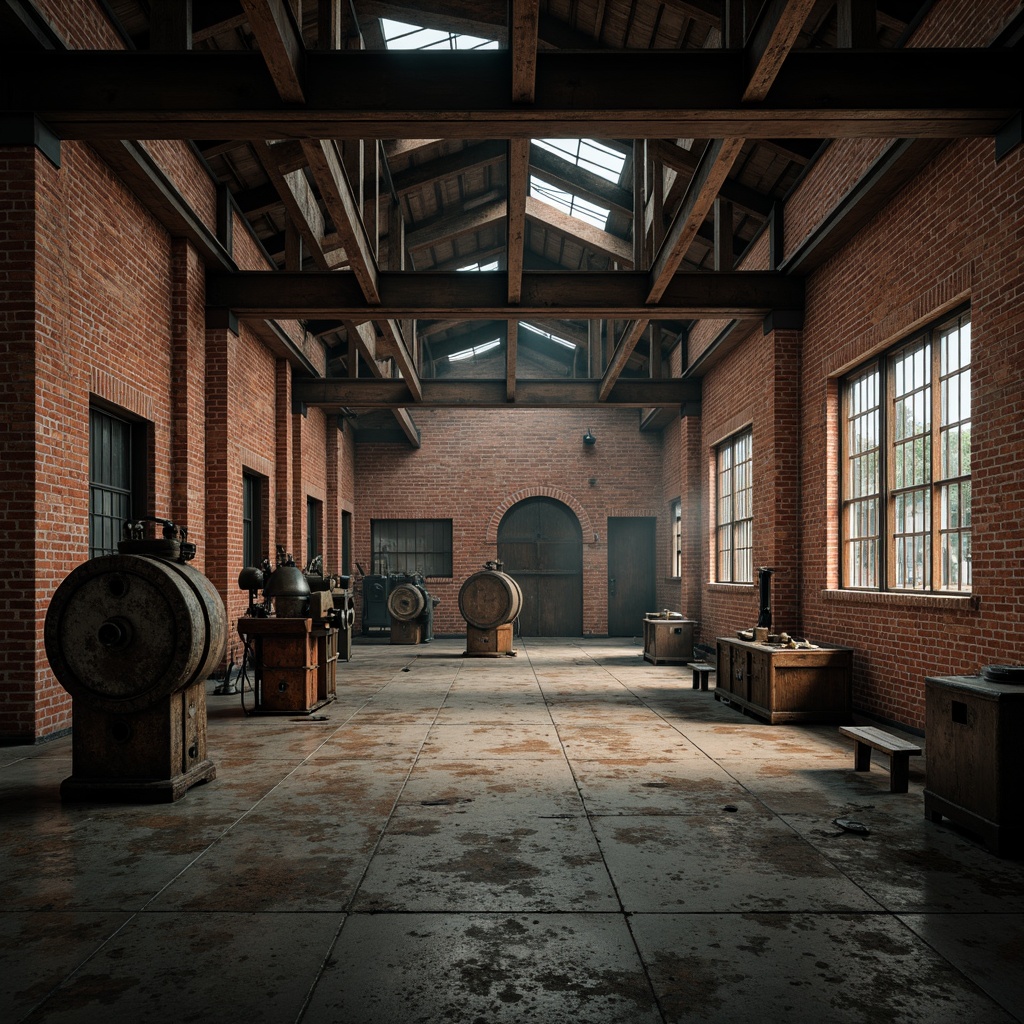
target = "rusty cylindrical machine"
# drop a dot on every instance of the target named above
(411, 608)
(133, 638)
(490, 601)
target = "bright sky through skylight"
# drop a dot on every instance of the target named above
(400, 36)
(468, 353)
(547, 334)
(493, 265)
(573, 205)
(588, 154)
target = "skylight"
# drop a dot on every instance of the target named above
(400, 36)
(469, 353)
(551, 337)
(573, 205)
(493, 265)
(588, 154)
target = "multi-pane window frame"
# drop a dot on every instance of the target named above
(314, 528)
(117, 475)
(676, 526)
(411, 546)
(905, 456)
(253, 489)
(734, 508)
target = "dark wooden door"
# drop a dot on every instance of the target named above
(541, 544)
(631, 582)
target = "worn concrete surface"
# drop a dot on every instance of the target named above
(572, 835)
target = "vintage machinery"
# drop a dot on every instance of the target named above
(668, 638)
(490, 601)
(291, 636)
(411, 608)
(133, 637)
(377, 589)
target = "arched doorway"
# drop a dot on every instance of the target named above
(541, 544)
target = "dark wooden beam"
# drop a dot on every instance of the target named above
(573, 295)
(336, 393)
(280, 42)
(665, 93)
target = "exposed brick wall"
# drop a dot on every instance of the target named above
(473, 462)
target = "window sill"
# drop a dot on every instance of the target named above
(905, 599)
(730, 588)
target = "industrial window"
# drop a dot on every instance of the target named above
(676, 517)
(412, 545)
(906, 464)
(314, 528)
(115, 478)
(253, 551)
(735, 509)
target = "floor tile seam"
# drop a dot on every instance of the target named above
(387, 821)
(583, 803)
(305, 762)
(753, 796)
(347, 911)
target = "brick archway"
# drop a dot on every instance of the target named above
(541, 492)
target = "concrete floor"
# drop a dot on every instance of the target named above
(572, 835)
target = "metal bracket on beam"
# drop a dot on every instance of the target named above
(219, 319)
(26, 130)
(783, 320)
(299, 407)
(1008, 137)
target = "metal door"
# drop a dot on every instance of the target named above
(631, 581)
(541, 544)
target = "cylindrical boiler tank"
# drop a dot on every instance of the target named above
(122, 631)
(489, 599)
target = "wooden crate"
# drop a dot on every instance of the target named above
(406, 632)
(489, 642)
(974, 772)
(780, 684)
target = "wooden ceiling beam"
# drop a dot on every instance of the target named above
(336, 393)
(625, 94)
(569, 294)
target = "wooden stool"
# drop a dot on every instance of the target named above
(701, 671)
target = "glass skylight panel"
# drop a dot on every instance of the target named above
(400, 36)
(469, 353)
(588, 154)
(493, 265)
(551, 337)
(573, 205)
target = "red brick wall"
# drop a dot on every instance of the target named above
(474, 464)
(910, 264)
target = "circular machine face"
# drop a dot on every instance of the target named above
(406, 602)
(122, 631)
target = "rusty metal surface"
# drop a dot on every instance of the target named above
(570, 835)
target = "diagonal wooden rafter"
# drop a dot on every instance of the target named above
(773, 37)
(280, 42)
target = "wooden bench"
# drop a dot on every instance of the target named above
(701, 670)
(866, 738)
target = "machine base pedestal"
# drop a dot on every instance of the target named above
(137, 791)
(489, 643)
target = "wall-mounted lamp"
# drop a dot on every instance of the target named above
(588, 438)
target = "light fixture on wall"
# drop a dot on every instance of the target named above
(588, 438)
